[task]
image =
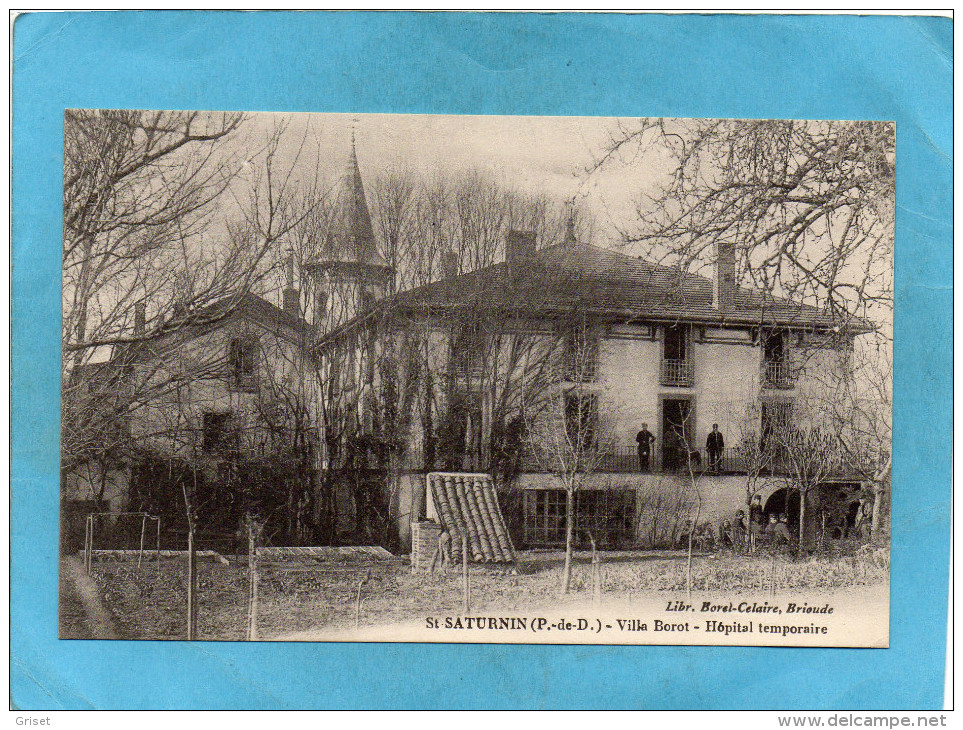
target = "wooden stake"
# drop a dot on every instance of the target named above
(466, 593)
(357, 605)
(143, 529)
(191, 583)
(158, 547)
(252, 580)
(596, 574)
(772, 573)
(88, 539)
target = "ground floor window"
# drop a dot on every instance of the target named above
(607, 515)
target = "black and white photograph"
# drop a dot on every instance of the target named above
(476, 379)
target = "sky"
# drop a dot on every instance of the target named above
(539, 155)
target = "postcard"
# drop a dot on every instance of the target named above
(476, 379)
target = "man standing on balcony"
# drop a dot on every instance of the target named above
(645, 439)
(714, 446)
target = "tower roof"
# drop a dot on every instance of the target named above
(351, 238)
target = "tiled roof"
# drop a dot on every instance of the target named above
(466, 505)
(200, 320)
(608, 283)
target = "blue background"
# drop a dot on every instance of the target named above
(655, 65)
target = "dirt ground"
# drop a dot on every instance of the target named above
(315, 600)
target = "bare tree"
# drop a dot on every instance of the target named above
(165, 232)
(853, 403)
(807, 205)
(570, 439)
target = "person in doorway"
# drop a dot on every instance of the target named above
(714, 446)
(644, 439)
(781, 531)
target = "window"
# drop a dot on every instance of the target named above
(581, 354)
(461, 432)
(605, 515)
(676, 341)
(777, 372)
(677, 368)
(776, 421)
(220, 433)
(242, 363)
(581, 419)
(544, 515)
(468, 350)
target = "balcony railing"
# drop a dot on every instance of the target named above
(679, 373)
(581, 370)
(618, 460)
(778, 374)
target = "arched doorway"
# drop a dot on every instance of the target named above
(784, 501)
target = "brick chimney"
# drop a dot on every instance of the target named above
(519, 249)
(292, 302)
(724, 277)
(140, 318)
(449, 264)
(292, 296)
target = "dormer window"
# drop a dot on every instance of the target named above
(242, 363)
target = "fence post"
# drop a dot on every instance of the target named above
(88, 538)
(357, 605)
(191, 583)
(143, 529)
(596, 574)
(772, 572)
(466, 592)
(252, 579)
(158, 547)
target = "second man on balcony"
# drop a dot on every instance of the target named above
(645, 439)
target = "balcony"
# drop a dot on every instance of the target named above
(778, 374)
(625, 460)
(677, 373)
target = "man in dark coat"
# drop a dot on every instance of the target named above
(645, 439)
(714, 446)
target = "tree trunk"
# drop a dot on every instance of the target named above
(569, 531)
(802, 522)
(688, 567)
(874, 525)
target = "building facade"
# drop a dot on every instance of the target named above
(577, 333)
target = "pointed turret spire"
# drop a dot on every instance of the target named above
(354, 239)
(348, 273)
